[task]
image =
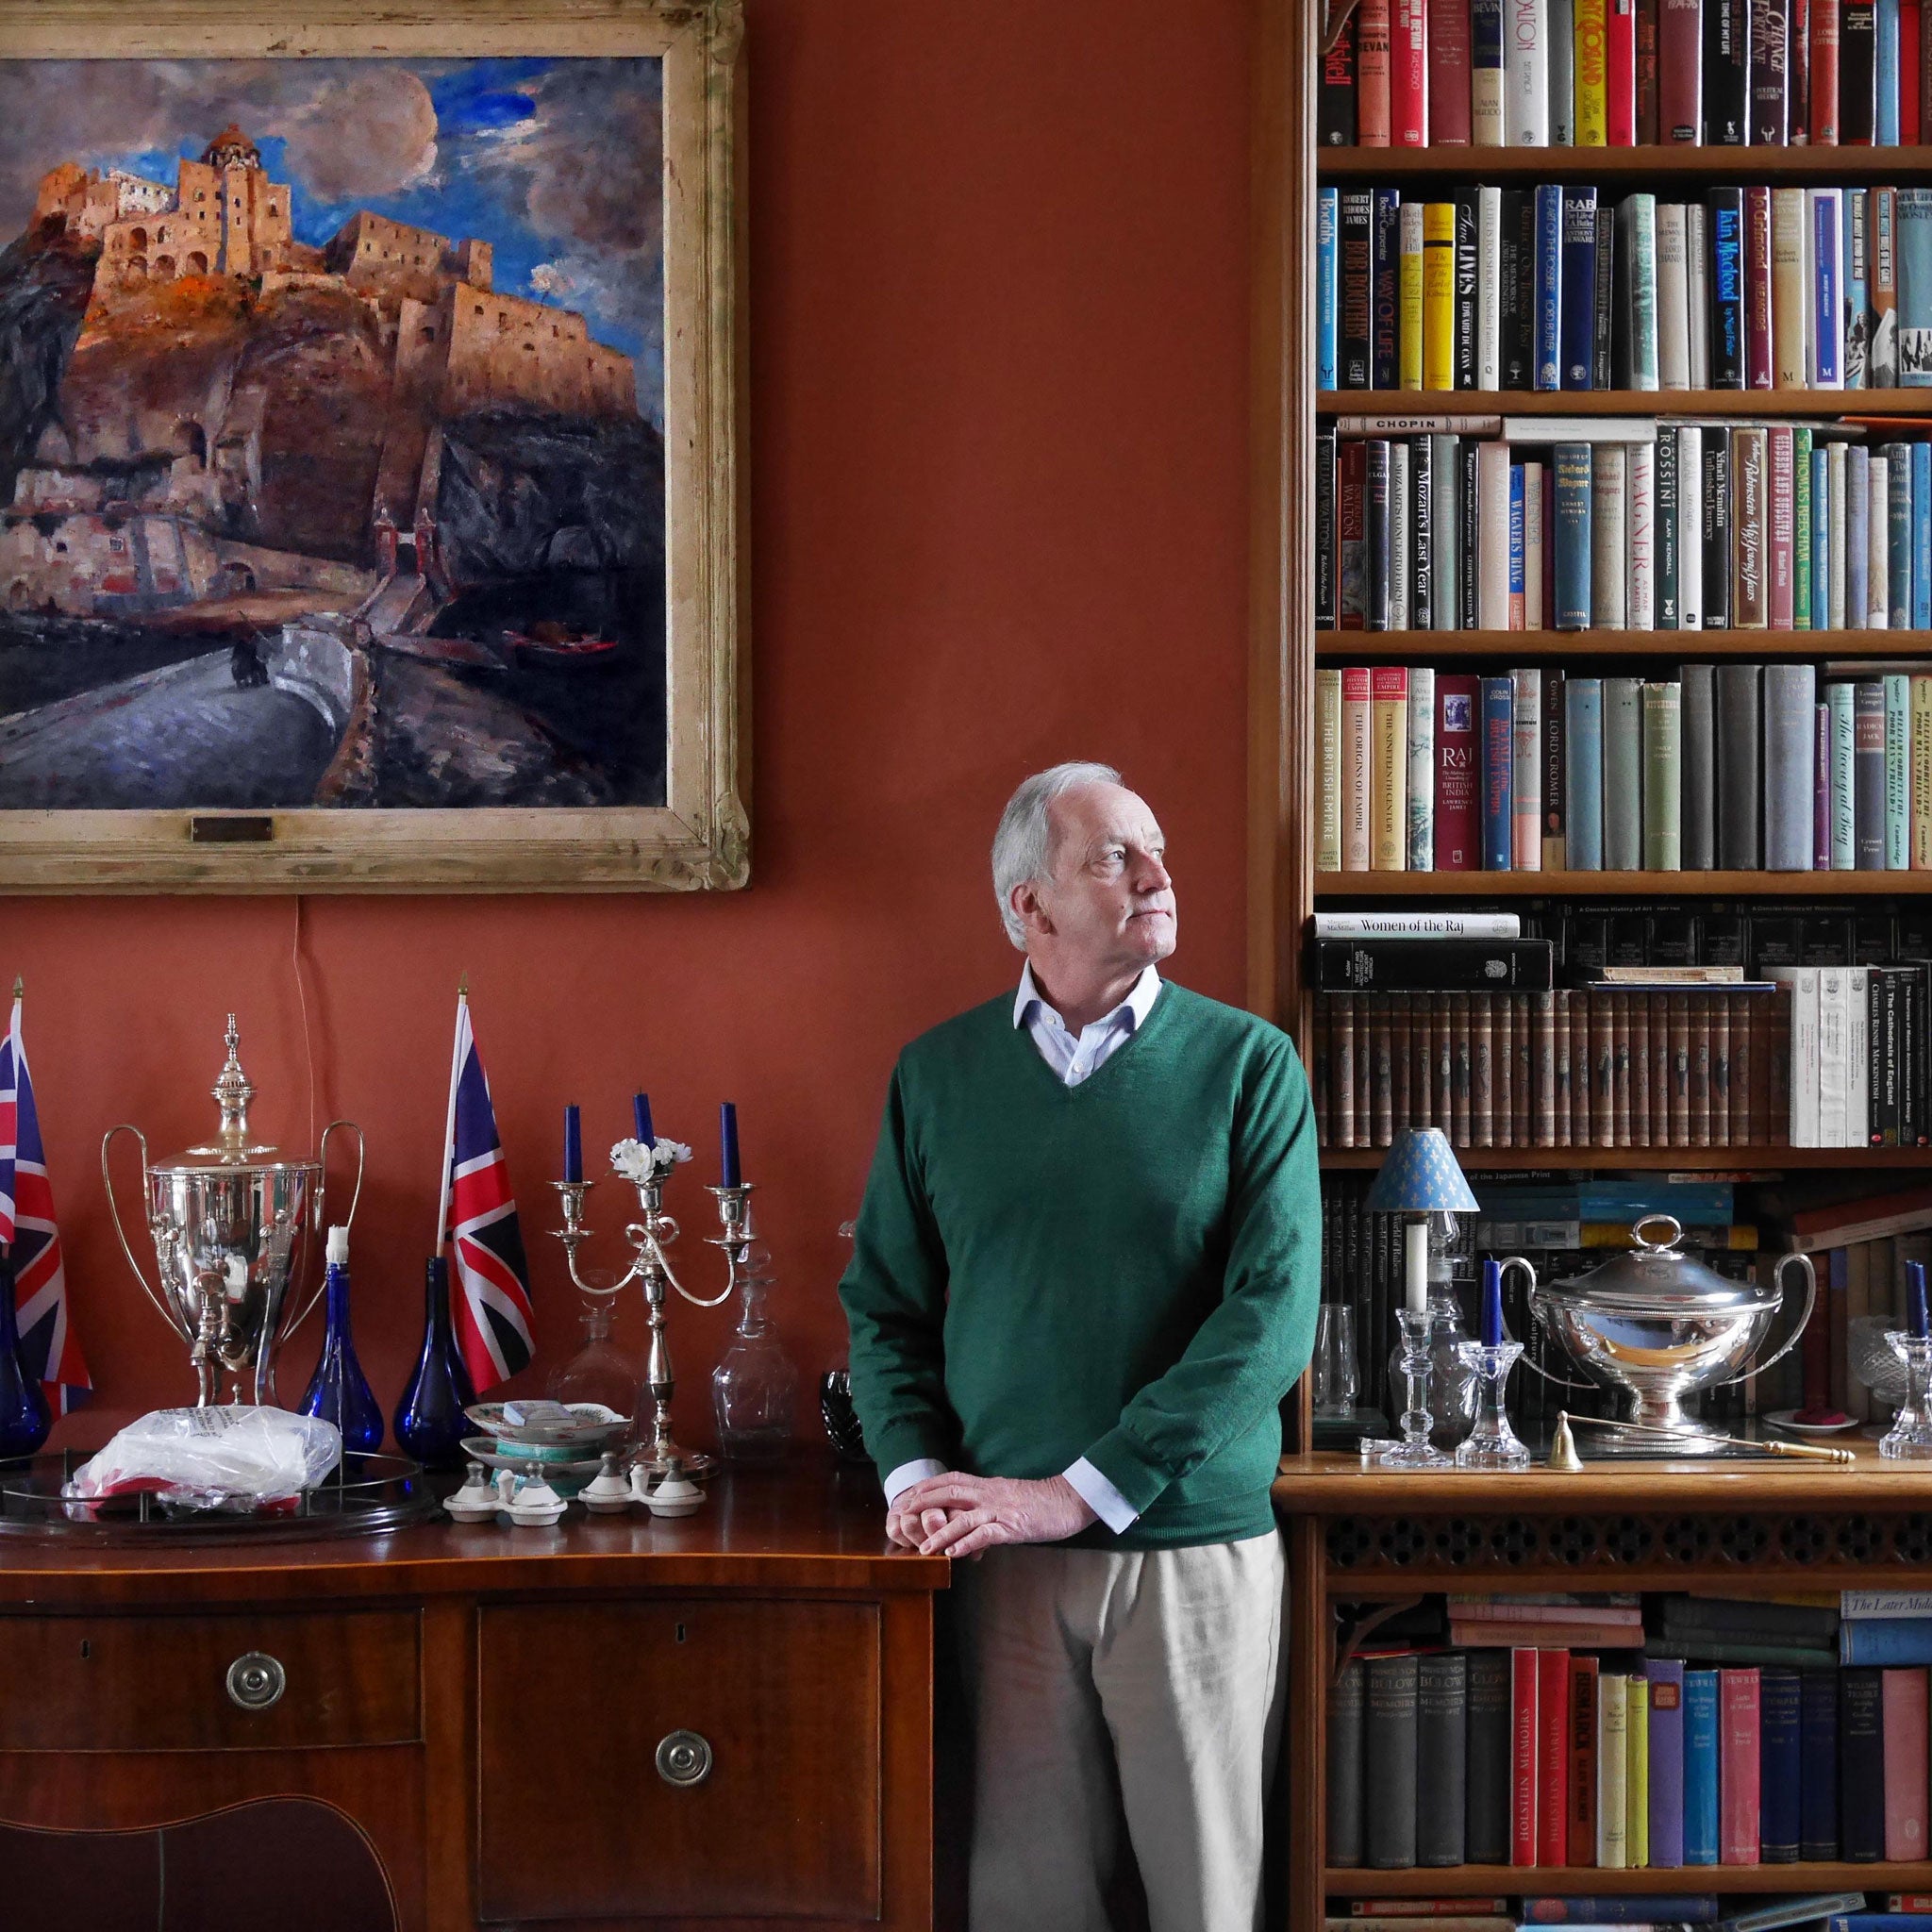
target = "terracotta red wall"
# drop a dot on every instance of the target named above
(997, 459)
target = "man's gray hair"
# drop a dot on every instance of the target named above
(1022, 846)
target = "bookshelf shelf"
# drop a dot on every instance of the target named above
(1814, 166)
(1574, 645)
(1853, 406)
(1727, 1159)
(1435, 1881)
(1619, 885)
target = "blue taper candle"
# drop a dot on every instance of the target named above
(1915, 1298)
(572, 1144)
(727, 1144)
(1492, 1305)
(640, 1118)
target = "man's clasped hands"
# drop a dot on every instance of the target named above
(954, 1515)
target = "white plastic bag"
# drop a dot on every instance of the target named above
(214, 1458)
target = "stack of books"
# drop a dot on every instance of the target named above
(1858, 1249)
(1579, 1731)
(1622, 524)
(1731, 767)
(1621, 73)
(1557, 287)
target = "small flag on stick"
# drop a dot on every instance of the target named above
(478, 1217)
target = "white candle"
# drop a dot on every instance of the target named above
(1416, 1247)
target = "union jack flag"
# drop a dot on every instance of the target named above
(479, 1213)
(48, 1346)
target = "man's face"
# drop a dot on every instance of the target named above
(1110, 903)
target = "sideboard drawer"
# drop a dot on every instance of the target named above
(192, 1683)
(695, 1755)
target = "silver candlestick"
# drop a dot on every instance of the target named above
(648, 1238)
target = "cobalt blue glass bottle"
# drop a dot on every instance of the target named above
(338, 1392)
(430, 1424)
(24, 1416)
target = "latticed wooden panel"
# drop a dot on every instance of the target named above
(1372, 1545)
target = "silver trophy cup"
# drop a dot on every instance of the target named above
(229, 1221)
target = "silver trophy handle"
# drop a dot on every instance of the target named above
(1509, 1262)
(1797, 1334)
(319, 1222)
(167, 1314)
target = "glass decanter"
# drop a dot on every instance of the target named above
(754, 1385)
(1452, 1386)
(836, 1412)
(338, 1392)
(430, 1424)
(1909, 1439)
(600, 1370)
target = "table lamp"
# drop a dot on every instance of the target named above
(1420, 1176)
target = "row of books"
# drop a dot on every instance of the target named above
(1835, 1911)
(1733, 766)
(1586, 937)
(1596, 1067)
(1554, 286)
(1583, 1733)
(1625, 73)
(1694, 527)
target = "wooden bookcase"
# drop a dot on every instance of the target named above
(1538, 1530)
(1356, 1534)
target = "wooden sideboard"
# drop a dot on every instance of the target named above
(507, 1717)
(1722, 1527)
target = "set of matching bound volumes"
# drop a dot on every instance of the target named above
(1626, 74)
(1555, 287)
(1571, 1731)
(1682, 527)
(1859, 1045)
(1574, 1066)
(1727, 767)
(1638, 1911)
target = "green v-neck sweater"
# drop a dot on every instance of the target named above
(1126, 1270)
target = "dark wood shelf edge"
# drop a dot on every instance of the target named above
(1620, 884)
(1448, 1881)
(1659, 1160)
(1689, 645)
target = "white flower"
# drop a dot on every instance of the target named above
(630, 1160)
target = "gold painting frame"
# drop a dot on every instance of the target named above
(699, 837)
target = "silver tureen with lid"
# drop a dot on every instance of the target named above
(227, 1219)
(1659, 1326)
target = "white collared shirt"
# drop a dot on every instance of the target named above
(1074, 1059)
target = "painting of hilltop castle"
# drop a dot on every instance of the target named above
(334, 400)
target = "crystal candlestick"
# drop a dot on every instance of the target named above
(1414, 1451)
(1911, 1436)
(1491, 1442)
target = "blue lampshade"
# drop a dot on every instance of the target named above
(1420, 1176)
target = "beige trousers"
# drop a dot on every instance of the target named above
(1136, 1688)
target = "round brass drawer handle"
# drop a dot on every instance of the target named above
(255, 1681)
(684, 1758)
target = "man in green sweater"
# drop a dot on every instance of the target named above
(1085, 1275)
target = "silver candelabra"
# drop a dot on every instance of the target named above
(649, 1237)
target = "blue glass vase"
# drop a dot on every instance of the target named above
(338, 1392)
(430, 1424)
(24, 1416)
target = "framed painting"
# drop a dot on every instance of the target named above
(370, 393)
